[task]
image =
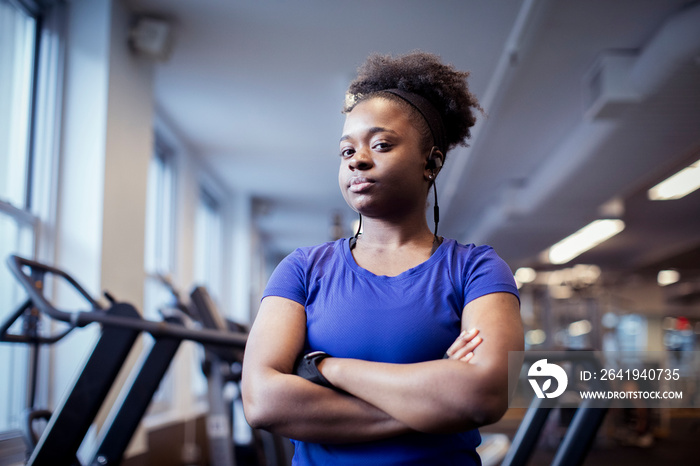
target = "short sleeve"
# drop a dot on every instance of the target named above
(288, 280)
(487, 273)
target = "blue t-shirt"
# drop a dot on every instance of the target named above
(412, 317)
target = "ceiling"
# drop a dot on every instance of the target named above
(586, 102)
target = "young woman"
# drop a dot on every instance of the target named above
(375, 314)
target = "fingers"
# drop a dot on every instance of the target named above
(466, 352)
(467, 357)
(463, 347)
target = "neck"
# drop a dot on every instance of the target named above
(386, 234)
(389, 249)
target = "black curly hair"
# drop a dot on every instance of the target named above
(424, 74)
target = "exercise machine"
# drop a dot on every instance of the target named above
(267, 448)
(223, 389)
(120, 325)
(218, 372)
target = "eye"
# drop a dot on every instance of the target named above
(381, 146)
(346, 152)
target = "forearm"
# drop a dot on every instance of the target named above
(434, 396)
(296, 408)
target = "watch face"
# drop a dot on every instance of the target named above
(313, 354)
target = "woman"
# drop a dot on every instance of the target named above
(383, 307)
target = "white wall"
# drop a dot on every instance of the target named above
(128, 151)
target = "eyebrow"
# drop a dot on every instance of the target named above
(372, 130)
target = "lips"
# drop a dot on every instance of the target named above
(359, 184)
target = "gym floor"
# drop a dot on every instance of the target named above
(675, 441)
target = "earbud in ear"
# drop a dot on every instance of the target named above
(434, 161)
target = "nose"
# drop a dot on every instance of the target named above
(360, 160)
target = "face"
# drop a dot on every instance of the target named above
(383, 166)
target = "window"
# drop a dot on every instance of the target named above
(15, 238)
(159, 222)
(29, 63)
(159, 229)
(208, 244)
(17, 51)
(17, 224)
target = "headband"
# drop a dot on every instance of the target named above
(429, 112)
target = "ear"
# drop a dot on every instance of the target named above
(434, 162)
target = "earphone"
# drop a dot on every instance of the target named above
(434, 162)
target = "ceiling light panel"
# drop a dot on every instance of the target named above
(677, 186)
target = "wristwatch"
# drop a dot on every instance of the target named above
(307, 367)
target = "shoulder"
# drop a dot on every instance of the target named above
(305, 260)
(480, 268)
(469, 253)
(294, 275)
(313, 255)
(467, 261)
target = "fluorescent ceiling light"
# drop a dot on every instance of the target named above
(586, 238)
(535, 337)
(679, 185)
(578, 328)
(667, 277)
(525, 275)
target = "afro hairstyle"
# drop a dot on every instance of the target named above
(424, 74)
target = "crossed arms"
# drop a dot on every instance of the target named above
(379, 400)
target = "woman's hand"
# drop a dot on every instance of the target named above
(463, 347)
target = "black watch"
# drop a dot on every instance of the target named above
(307, 367)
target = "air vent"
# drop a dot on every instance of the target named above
(607, 91)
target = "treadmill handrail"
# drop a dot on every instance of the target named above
(16, 263)
(97, 314)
